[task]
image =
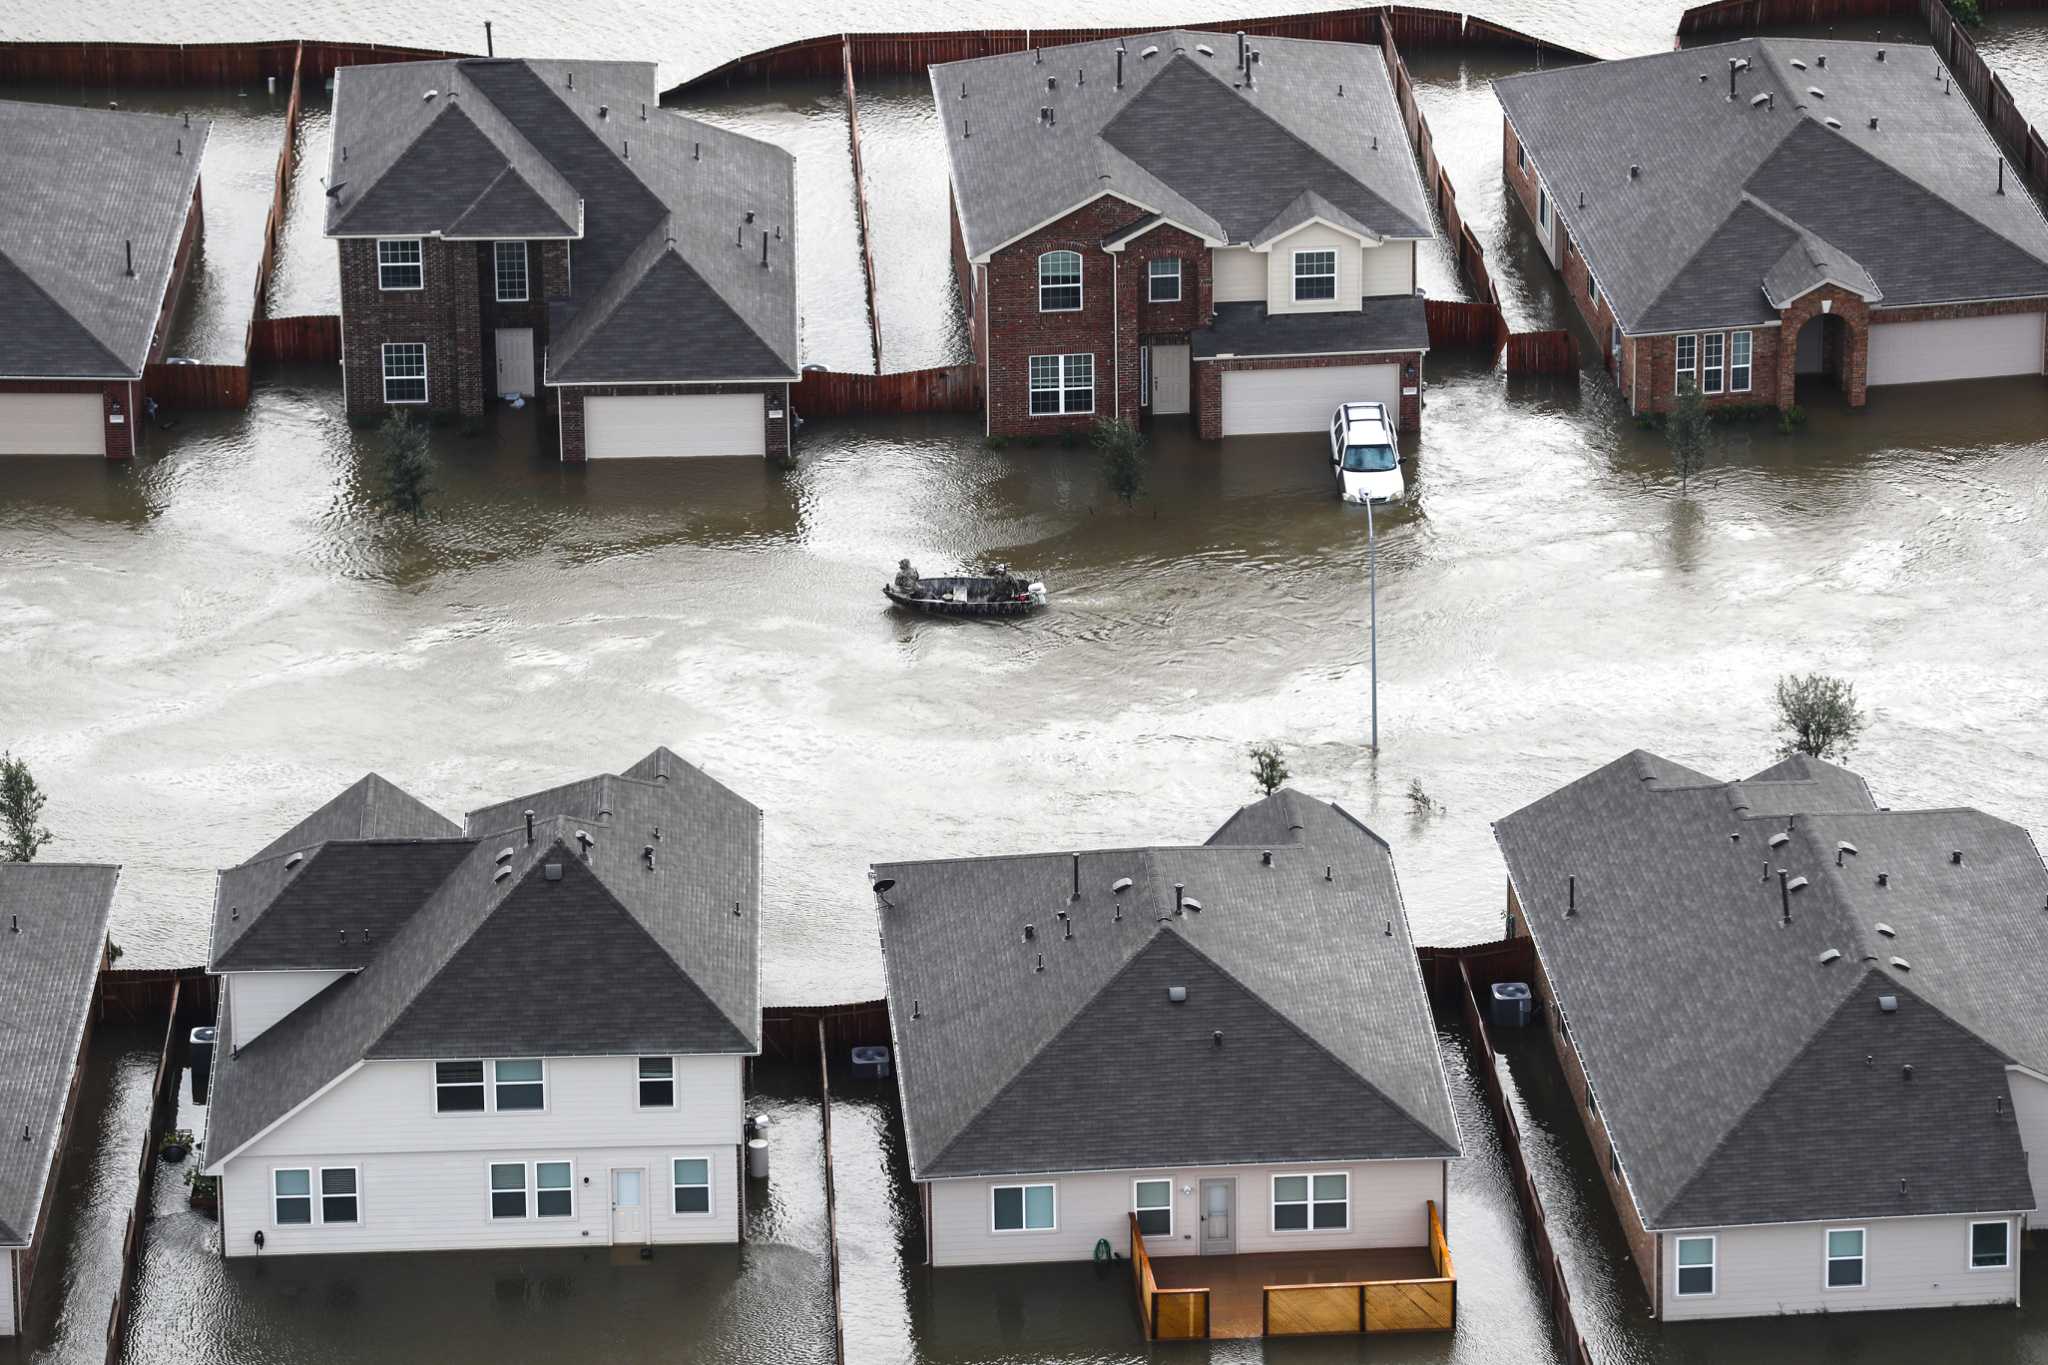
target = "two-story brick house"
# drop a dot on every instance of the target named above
(1743, 216)
(544, 229)
(1185, 222)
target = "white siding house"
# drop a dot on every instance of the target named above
(260, 999)
(1847, 1266)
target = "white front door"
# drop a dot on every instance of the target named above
(1954, 348)
(1169, 380)
(515, 360)
(668, 425)
(629, 1207)
(1259, 402)
(52, 424)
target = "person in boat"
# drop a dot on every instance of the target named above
(907, 581)
(1005, 585)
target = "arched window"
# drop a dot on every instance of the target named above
(1059, 282)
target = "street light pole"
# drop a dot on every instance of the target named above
(1372, 579)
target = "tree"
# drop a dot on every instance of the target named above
(1269, 768)
(1686, 430)
(1122, 447)
(407, 465)
(21, 810)
(1817, 716)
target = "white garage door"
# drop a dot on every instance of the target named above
(1256, 402)
(51, 424)
(1955, 348)
(671, 425)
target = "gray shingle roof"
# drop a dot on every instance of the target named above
(1006, 1068)
(1182, 138)
(53, 921)
(663, 286)
(1678, 976)
(81, 184)
(1726, 188)
(616, 957)
(1387, 323)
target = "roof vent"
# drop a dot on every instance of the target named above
(1149, 53)
(1755, 100)
(1191, 903)
(1780, 839)
(293, 861)
(1956, 857)
(1884, 879)
(552, 871)
(1798, 65)
(1831, 955)
(1208, 51)
(1873, 123)
(1177, 994)
(1635, 172)
(429, 96)
(505, 854)
(1888, 1003)
(1052, 82)
(1030, 932)
(501, 874)
(1821, 61)
(1797, 883)
(1266, 857)
(647, 852)
(1880, 54)
(1902, 964)
(604, 111)
(1816, 92)
(1216, 1038)
(1887, 930)
(1832, 122)
(1119, 886)
(1844, 847)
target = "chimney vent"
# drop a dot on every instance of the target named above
(1075, 894)
(529, 827)
(1179, 897)
(1571, 895)
(129, 244)
(1216, 1038)
(1784, 898)
(1041, 963)
(1635, 172)
(1266, 858)
(1119, 72)
(583, 841)
(1956, 857)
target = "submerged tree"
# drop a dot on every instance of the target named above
(1122, 447)
(1817, 716)
(407, 465)
(1269, 768)
(1686, 430)
(21, 811)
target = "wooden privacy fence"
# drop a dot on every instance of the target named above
(1452, 323)
(1352, 1307)
(163, 1109)
(860, 204)
(177, 64)
(797, 1033)
(197, 386)
(1542, 353)
(833, 393)
(1169, 1314)
(313, 338)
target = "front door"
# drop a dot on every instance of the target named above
(515, 360)
(1219, 1217)
(1169, 380)
(629, 1208)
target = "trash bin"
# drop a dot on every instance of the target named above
(871, 1063)
(757, 1158)
(1511, 1004)
(202, 1056)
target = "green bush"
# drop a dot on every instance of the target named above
(1791, 419)
(1967, 12)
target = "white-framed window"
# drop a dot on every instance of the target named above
(1686, 368)
(509, 1180)
(519, 1083)
(1059, 282)
(690, 1182)
(1023, 1208)
(1713, 350)
(291, 1190)
(1739, 349)
(341, 1194)
(1991, 1245)
(1695, 1267)
(1315, 276)
(509, 258)
(1062, 384)
(1542, 207)
(1592, 288)
(1521, 156)
(1162, 281)
(1845, 1258)
(554, 1189)
(657, 1082)
(1312, 1203)
(1152, 1201)
(458, 1087)
(399, 265)
(405, 372)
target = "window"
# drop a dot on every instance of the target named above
(1711, 347)
(1695, 1267)
(1687, 364)
(657, 1082)
(1062, 384)
(1592, 288)
(398, 264)
(1991, 1245)
(1845, 1258)
(1059, 282)
(1152, 1201)
(1022, 1208)
(458, 1087)
(1162, 281)
(554, 1190)
(340, 1198)
(508, 1189)
(1738, 362)
(519, 1084)
(1542, 207)
(1521, 156)
(293, 1191)
(692, 1179)
(1302, 1202)
(405, 372)
(1315, 276)
(510, 259)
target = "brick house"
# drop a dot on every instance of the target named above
(1185, 223)
(543, 229)
(1752, 215)
(92, 267)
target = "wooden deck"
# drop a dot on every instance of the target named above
(1237, 1284)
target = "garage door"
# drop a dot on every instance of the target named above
(51, 424)
(673, 425)
(1955, 348)
(1261, 401)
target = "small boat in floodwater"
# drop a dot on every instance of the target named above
(970, 596)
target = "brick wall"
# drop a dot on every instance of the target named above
(776, 429)
(117, 397)
(1208, 383)
(547, 277)
(444, 314)
(1649, 373)
(1140, 321)
(1017, 330)
(1849, 367)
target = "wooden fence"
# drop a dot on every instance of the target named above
(179, 64)
(832, 393)
(860, 203)
(1357, 1306)
(793, 1032)
(1452, 323)
(163, 1110)
(1169, 1314)
(197, 386)
(309, 339)
(1542, 353)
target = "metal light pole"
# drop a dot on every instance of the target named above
(1372, 580)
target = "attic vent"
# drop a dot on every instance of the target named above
(1149, 53)
(1191, 903)
(501, 874)
(1831, 955)
(1780, 839)
(1119, 886)
(1816, 92)
(1887, 931)
(1798, 65)
(1795, 884)
(552, 871)
(1888, 1003)
(1177, 994)
(1755, 100)
(430, 95)
(1902, 964)
(293, 861)
(1205, 49)
(1834, 123)
(1844, 847)
(505, 854)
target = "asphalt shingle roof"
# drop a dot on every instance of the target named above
(666, 213)
(1183, 137)
(1679, 977)
(80, 186)
(1304, 965)
(53, 921)
(1726, 187)
(1387, 323)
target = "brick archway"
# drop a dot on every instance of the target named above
(1846, 343)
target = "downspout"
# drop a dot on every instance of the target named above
(988, 388)
(1116, 335)
(134, 423)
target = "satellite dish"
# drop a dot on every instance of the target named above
(883, 888)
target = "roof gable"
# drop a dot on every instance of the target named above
(43, 339)
(660, 322)
(336, 909)
(439, 175)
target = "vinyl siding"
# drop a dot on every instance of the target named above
(1388, 269)
(1387, 1210)
(424, 1176)
(2030, 1107)
(1240, 274)
(259, 999)
(1909, 1263)
(1280, 270)
(10, 1268)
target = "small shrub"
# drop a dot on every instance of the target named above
(1269, 767)
(1968, 12)
(407, 466)
(1791, 419)
(1122, 447)
(1421, 804)
(1686, 430)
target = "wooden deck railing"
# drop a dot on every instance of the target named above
(1169, 1314)
(1355, 1306)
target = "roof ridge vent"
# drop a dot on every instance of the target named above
(1797, 883)
(1831, 955)
(1886, 929)
(1816, 92)
(1781, 838)
(1902, 964)
(1798, 65)
(1764, 98)
(1834, 123)
(1149, 53)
